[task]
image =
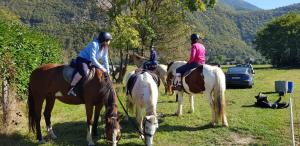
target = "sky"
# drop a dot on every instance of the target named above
(271, 4)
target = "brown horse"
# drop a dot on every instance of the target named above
(47, 83)
(137, 59)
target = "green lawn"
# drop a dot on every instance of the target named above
(247, 125)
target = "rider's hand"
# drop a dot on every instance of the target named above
(104, 70)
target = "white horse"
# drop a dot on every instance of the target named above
(210, 80)
(144, 96)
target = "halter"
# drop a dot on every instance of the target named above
(114, 116)
(117, 140)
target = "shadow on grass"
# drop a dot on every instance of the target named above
(170, 101)
(15, 139)
(250, 105)
(236, 87)
(170, 128)
(74, 133)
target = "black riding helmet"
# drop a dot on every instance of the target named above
(104, 36)
(195, 37)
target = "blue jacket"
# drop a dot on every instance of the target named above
(93, 53)
(153, 56)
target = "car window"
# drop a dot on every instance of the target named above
(237, 70)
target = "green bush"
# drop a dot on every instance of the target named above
(22, 50)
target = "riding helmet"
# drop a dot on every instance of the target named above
(104, 36)
(194, 37)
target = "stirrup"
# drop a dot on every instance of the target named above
(71, 92)
(178, 87)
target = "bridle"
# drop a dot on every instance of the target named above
(144, 131)
(113, 141)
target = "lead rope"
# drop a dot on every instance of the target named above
(131, 122)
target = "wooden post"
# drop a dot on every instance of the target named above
(292, 123)
(5, 101)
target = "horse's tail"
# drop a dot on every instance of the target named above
(31, 114)
(219, 93)
(129, 105)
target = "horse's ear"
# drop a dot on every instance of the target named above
(148, 117)
(109, 120)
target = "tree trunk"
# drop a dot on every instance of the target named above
(113, 71)
(120, 78)
(5, 102)
(124, 69)
(123, 66)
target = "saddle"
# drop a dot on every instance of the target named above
(133, 77)
(194, 85)
(263, 102)
(69, 72)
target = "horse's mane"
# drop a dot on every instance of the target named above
(169, 65)
(108, 92)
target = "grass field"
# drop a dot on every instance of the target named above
(248, 125)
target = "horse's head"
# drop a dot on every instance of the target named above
(169, 85)
(150, 125)
(112, 129)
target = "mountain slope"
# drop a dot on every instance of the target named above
(230, 27)
(250, 23)
(239, 5)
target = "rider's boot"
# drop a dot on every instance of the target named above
(75, 80)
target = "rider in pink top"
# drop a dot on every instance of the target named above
(197, 53)
(197, 58)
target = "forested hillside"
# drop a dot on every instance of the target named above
(249, 23)
(229, 28)
(73, 22)
(239, 5)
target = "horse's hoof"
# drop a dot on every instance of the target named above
(190, 111)
(53, 136)
(213, 124)
(41, 141)
(142, 137)
(178, 114)
(225, 125)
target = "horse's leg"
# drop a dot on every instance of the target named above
(89, 114)
(163, 78)
(50, 100)
(96, 119)
(38, 112)
(139, 117)
(180, 101)
(191, 103)
(212, 106)
(220, 104)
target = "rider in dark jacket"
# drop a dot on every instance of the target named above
(152, 62)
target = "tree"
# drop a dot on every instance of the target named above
(152, 22)
(279, 40)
